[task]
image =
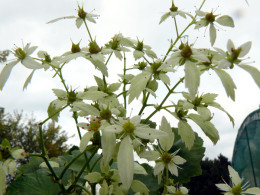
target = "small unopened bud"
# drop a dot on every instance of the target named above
(141, 65)
(139, 46)
(47, 58)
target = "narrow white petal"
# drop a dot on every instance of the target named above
(178, 160)
(125, 159)
(108, 141)
(60, 93)
(30, 63)
(224, 187)
(28, 80)
(173, 168)
(234, 176)
(158, 168)
(150, 155)
(79, 22)
(230, 45)
(60, 18)
(192, 78)
(148, 133)
(253, 190)
(212, 34)
(85, 140)
(186, 133)
(114, 129)
(5, 73)
(245, 48)
(166, 142)
(225, 21)
(255, 73)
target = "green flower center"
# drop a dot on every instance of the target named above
(47, 58)
(72, 97)
(235, 53)
(186, 51)
(75, 48)
(93, 47)
(173, 8)
(210, 17)
(81, 13)
(155, 66)
(105, 114)
(140, 46)
(128, 127)
(94, 124)
(236, 190)
(20, 53)
(166, 157)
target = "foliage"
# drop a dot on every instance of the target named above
(113, 137)
(23, 133)
(213, 171)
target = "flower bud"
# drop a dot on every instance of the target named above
(47, 58)
(72, 97)
(141, 65)
(139, 46)
(186, 51)
(81, 13)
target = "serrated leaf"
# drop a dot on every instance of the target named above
(28, 80)
(254, 72)
(192, 78)
(225, 21)
(186, 133)
(212, 34)
(227, 82)
(206, 126)
(125, 160)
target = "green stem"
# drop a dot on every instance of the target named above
(83, 188)
(124, 87)
(82, 170)
(180, 35)
(88, 30)
(104, 78)
(53, 114)
(144, 104)
(75, 116)
(146, 60)
(70, 163)
(158, 108)
(176, 26)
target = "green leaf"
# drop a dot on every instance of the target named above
(2, 181)
(149, 180)
(192, 78)
(5, 143)
(193, 158)
(227, 82)
(93, 177)
(186, 133)
(255, 73)
(206, 126)
(35, 183)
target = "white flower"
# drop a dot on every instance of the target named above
(174, 11)
(129, 129)
(209, 19)
(236, 187)
(82, 16)
(162, 157)
(179, 190)
(23, 56)
(141, 49)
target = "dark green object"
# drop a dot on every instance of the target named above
(246, 154)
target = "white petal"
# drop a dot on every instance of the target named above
(5, 73)
(60, 18)
(245, 48)
(85, 140)
(253, 190)
(139, 169)
(150, 155)
(212, 33)
(90, 110)
(224, 64)
(164, 17)
(138, 54)
(234, 176)
(148, 133)
(225, 21)
(135, 120)
(125, 159)
(173, 168)
(230, 45)
(60, 93)
(158, 168)
(224, 187)
(114, 129)
(79, 22)
(201, 23)
(92, 95)
(178, 160)
(108, 141)
(164, 78)
(192, 78)
(166, 142)
(255, 73)
(186, 133)
(30, 63)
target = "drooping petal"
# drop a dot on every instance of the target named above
(85, 140)
(255, 73)
(158, 168)
(164, 17)
(186, 133)
(227, 82)
(28, 80)
(92, 95)
(60, 18)
(201, 23)
(212, 34)
(6, 72)
(108, 141)
(173, 168)
(60, 93)
(192, 78)
(125, 160)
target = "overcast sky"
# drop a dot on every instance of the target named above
(25, 21)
